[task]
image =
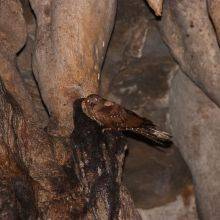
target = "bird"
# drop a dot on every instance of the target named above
(113, 117)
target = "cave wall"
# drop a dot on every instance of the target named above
(176, 85)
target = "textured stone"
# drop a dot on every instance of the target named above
(128, 40)
(188, 31)
(72, 37)
(24, 58)
(38, 182)
(195, 125)
(214, 11)
(12, 39)
(137, 74)
(154, 178)
(24, 64)
(156, 5)
(12, 27)
(183, 208)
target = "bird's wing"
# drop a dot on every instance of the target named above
(153, 134)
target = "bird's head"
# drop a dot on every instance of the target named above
(92, 103)
(92, 100)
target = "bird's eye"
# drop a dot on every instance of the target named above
(92, 104)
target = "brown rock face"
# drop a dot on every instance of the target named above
(186, 26)
(195, 123)
(12, 39)
(24, 57)
(214, 12)
(156, 5)
(39, 181)
(79, 176)
(11, 13)
(191, 30)
(24, 65)
(136, 74)
(71, 41)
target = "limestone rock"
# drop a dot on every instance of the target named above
(183, 208)
(156, 5)
(188, 31)
(195, 124)
(137, 74)
(71, 40)
(13, 34)
(12, 27)
(214, 11)
(24, 57)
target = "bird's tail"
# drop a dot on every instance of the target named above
(154, 134)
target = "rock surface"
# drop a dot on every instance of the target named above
(185, 26)
(39, 181)
(13, 33)
(137, 74)
(24, 57)
(140, 81)
(24, 64)
(183, 208)
(156, 5)
(72, 37)
(195, 124)
(154, 177)
(214, 12)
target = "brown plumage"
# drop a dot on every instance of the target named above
(112, 116)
